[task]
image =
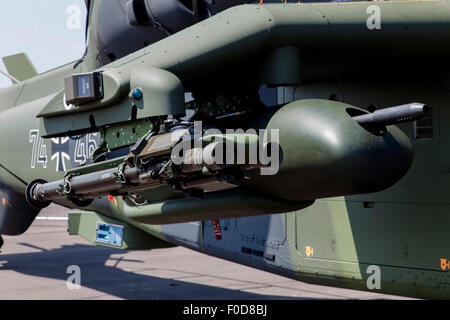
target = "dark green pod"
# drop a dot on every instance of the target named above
(326, 153)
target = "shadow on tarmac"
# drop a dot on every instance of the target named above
(111, 279)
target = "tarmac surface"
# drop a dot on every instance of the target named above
(34, 266)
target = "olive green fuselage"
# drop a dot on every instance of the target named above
(401, 229)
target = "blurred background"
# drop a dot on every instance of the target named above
(50, 32)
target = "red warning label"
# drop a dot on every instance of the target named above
(217, 230)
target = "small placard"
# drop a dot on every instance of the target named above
(109, 234)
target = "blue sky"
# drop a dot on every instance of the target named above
(40, 29)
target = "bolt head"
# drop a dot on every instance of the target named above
(137, 94)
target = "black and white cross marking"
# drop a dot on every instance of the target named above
(60, 152)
